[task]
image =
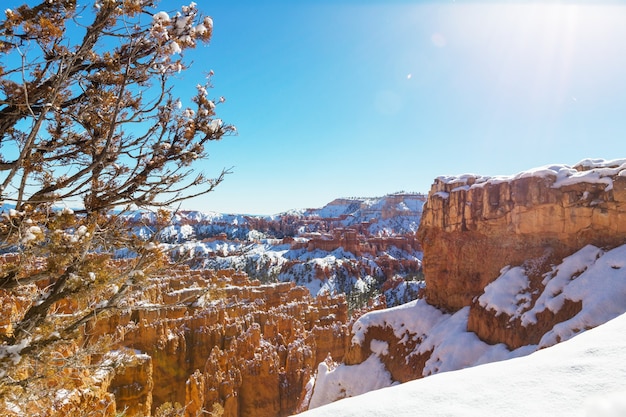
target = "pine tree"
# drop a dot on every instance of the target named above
(88, 120)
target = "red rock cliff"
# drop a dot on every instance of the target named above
(472, 226)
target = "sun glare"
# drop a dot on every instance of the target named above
(534, 55)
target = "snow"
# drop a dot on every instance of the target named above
(216, 124)
(508, 294)
(593, 276)
(595, 176)
(175, 48)
(201, 29)
(32, 233)
(369, 375)
(379, 347)
(600, 163)
(12, 353)
(592, 171)
(416, 317)
(349, 211)
(63, 396)
(161, 17)
(581, 377)
(601, 287)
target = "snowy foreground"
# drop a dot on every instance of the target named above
(584, 376)
(552, 375)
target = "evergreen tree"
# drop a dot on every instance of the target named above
(88, 120)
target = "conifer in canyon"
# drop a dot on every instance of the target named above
(89, 127)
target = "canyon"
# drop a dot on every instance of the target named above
(215, 340)
(193, 341)
(355, 246)
(219, 338)
(254, 321)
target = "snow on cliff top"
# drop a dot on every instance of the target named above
(587, 170)
(584, 376)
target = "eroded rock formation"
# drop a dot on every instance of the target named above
(473, 226)
(200, 340)
(222, 339)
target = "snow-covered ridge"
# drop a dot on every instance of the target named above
(367, 207)
(348, 245)
(598, 171)
(384, 216)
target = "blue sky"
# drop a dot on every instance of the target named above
(340, 99)
(364, 98)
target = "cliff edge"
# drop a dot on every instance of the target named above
(473, 226)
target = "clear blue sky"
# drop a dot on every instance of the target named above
(354, 98)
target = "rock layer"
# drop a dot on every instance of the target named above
(473, 226)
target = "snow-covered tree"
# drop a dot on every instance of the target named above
(88, 120)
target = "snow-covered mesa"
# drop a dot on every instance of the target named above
(562, 378)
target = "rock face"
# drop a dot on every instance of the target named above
(132, 383)
(219, 339)
(473, 226)
(203, 341)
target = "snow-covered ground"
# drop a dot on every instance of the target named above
(585, 376)
(591, 275)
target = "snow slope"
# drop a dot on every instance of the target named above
(592, 275)
(585, 376)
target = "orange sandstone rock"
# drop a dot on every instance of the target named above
(473, 226)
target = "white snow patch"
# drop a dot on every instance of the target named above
(417, 317)
(508, 294)
(367, 376)
(593, 171)
(379, 347)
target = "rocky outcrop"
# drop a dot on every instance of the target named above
(472, 226)
(398, 357)
(219, 339)
(351, 240)
(202, 341)
(132, 383)
(495, 328)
